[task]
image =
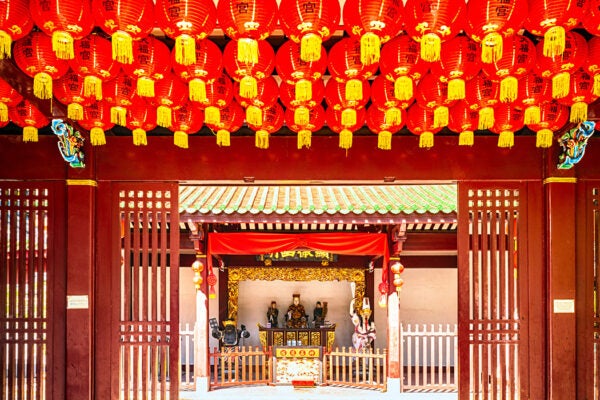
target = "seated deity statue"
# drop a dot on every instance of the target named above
(296, 315)
(272, 315)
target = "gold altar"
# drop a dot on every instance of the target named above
(323, 336)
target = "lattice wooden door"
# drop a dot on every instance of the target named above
(492, 302)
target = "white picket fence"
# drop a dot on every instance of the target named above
(186, 357)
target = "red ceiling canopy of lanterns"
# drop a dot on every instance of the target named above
(383, 65)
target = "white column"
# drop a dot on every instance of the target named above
(393, 347)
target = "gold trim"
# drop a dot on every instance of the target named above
(81, 182)
(557, 179)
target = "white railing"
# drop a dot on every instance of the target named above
(186, 357)
(429, 356)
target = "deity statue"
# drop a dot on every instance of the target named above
(319, 314)
(364, 333)
(272, 315)
(296, 316)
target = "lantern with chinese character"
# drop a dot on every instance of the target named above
(186, 21)
(96, 119)
(345, 66)
(304, 121)
(420, 122)
(482, 96)
(187, 119)
(231, 119)
(379, 123)
(507, 120)
(593, 64)
(534, 90)
(141, 118)
(65, 21)
(34, 55)
(9, 97)
(69, 91)
(266, 96)
(169, 93)
(553, 117)
(247, 74)
(219, 94)
(580, 95)
(348, 109)
(432, 94)
(310, 23)
(15, 23)
(272, 121)
(293, 70)
(338, 122)
(151, 62)
(207, 67)
(25, 115)
(382, 96)
(287, 94)
(463, 120)
(119, 93)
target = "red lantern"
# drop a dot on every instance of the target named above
(25, 115)
(383, 94)
(345, 66)
(402, 64)
(482, 96)
(335, 95)
(559, 68)
(69, 91)
(433, 95)
(266, 96)
(169, 94)
(459, 62)
(508, 120)
(287, 94)
(553, 117)
(379, 122)
(463, 120)
(125, 21)
(248, 74)
(188, 21)
(339, 122)
(65, 21)
(219, 94)
(490, 21)
(534, 91)
(591, 17)
(119, 93)
(96, 119)
(247, 22)
(309, 22)
(292, 70)
(304, 121)
(93, 61)
(397, 268)
(231, 120)
(34, 56)
(9, 97)
(15, 23)
(580, 95)
(207, 67)
(431, 22)
(552, 19)
(272, 121)
(151, 62)
(518, 59)
(141, 118)
(420, 122)
(187, 119)
(593, 64)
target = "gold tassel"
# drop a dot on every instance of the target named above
(456, 89)
(75, 111)
(348, 117)
(118, 115)
(139, 137)
(491, 50)
(509, 88)
(466, 138)
(261, 139)
(345, 139)
(596, 89)
(5, 45)
(393, 116)
(30, 134)
(248, 87)
(384, 140)
(122, 47)
(431, 45)
(254, 115)
(145, 86)
(543, 138)
(304, 138)
(3, 112)
(561, 85)
(440, 116)
(486, 118)
(532, 115)
(301, 116)
(97, 137)
(506, 139)
(212, 115)
(354, 90)
(303, 90)
(247, 51)
(426, 140)
(554, 41)
(42, 86)
(185, 49)
(579, 112)
(310, 47)
(62, 45)
(181, 139)
(92, 86)
(223, 138)
(197, 90)
(163, 116)
(403, 88)
(370, 45)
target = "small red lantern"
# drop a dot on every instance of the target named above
(420, 122)
(169, 94)
(287, 94)
(151, 62)
(248, 74)
(335, 95)
(25, 115)
(378, 122)
(553, 117)
(69, 91)
(266, 96)
(207, 67)
(119, 93)
(34, 56)
(310, 23)
(272, 121)
(345, 66)
(293, 70)
(9, 97)
(534, 90)
(338, 121)
(96, 119)
(15, 23)
(231, 120)
(219, 94)
(591, 18)
(482, 96)
(593, 64)
(508, 120)
(463, 120)
(187, 119)
(141, 118)
(187, 22)
(433, 95)
(580, 95)
(304, 121)
(383, 94)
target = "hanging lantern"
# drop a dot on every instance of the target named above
(248, 74)
(151, 62)
(141, 118)
(119, 93)
(335, 95)
(125, 21)
(463, 120)
(490, 21)
(552, 19)
(231, 119)
(508, 120)
(189, 21)
(304, 121)
(15, 23)
(402, 64)
(187, 119)
(169, 94)
(553, 117)
(560, 67)
(247, 22)
(219, 94)
(338, 121)
(96, 119)
(25, 115)
(517, 60)
(292, 70)
(207, 67)
(534, 91)
(93, 61)
(591, 17)
(272, 121)
(432, 94)
(69, 91)
(580, 95)
(9, 97)
(593, 64)
(482, 96)
(378, 122)
(34, 55)
(420, 122)
(287, 94)
(266, 96)
(345, 66)
(65, 21)
(383, 95)
(459, 62)
(432, 22)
